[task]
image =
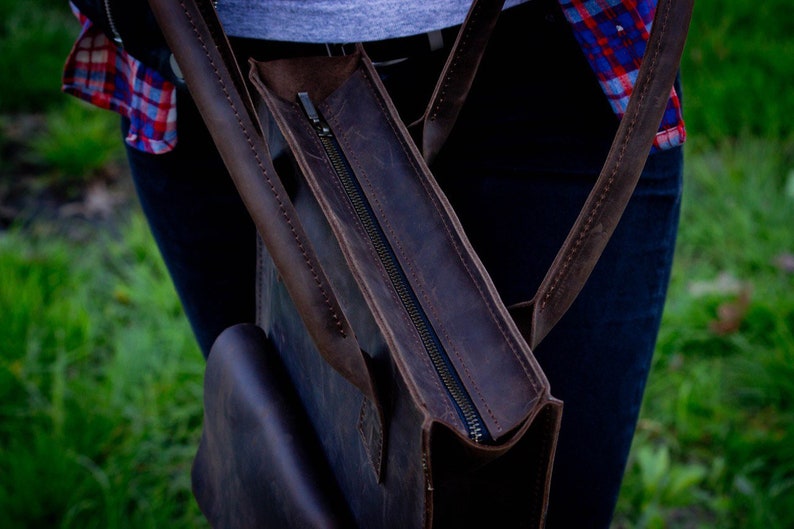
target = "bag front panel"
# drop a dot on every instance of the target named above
(380, 226)
(334, 405)
(482, 487)
(451, 284)
(467, 482)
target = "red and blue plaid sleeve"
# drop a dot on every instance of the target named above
(99, 72)
(613, 35)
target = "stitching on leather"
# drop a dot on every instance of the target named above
(342, 138)
(429, 490)
(528, 371)
(431, 306)
(564, 270)
(331, 119)
(542, 469)
(260, 297)
(378, 460)
(442, 214)
(409, 262)
(307, 260)
(452, 71)
(466, 368)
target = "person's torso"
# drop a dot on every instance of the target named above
(337, 21)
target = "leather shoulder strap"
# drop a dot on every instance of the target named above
(457, 76)
(603, 208)
(618, 178)
(213, 77)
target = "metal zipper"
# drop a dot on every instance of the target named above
(449, 377)
(112, 25)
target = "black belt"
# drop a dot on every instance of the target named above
(378, 50)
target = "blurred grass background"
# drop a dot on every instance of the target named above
(100, 381)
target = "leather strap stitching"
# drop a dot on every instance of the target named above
(459, 52)
(265, 173)
(602, 197)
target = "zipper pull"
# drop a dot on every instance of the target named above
(112, 25)
(317, 122)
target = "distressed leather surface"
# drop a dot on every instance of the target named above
(485, 347)
(396, 450)
(221, 94)
(602, 211)
(443, 269)
(259, 463)
(456, 78)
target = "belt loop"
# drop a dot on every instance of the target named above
(337, 50)
(435, 40)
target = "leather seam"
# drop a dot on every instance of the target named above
(508, 337)
(377, 460)
(452, 71)
(260, 267)
(462, 362)
(417, 280)
(331, 118)
(466, 369)
(565, 269)
(542, 470)
(284, 213)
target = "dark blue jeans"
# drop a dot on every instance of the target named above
(517, 169)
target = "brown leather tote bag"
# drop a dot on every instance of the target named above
(384, 383)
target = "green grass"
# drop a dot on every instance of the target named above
(78, 141)
(100, 379)
(738, 69)
(715, 446)
(34, 40)
(100, 384)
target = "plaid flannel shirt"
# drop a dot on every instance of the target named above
(611, 33)
(101, 73)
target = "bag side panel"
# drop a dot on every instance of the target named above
(476, 489)
(334, 405)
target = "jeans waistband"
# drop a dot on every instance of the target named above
(379, 51)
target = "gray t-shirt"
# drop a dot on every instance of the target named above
(335, 21)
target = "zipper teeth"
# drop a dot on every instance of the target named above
(438, 358)
(112, 24)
